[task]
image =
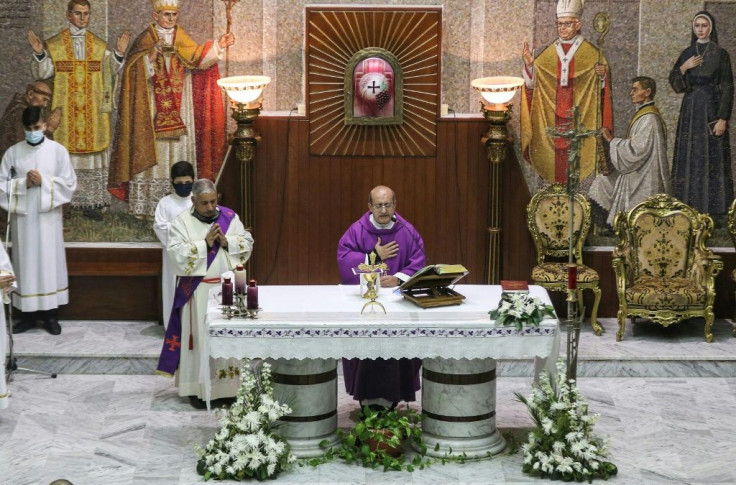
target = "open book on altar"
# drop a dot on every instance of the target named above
(430, 286)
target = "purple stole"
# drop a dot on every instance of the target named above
(168, 362)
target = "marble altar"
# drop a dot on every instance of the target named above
(303, 330)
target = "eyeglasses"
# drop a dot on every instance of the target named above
(385, 205)
(567, 25)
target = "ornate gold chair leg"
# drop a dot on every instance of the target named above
(709, 317)
(594, 314)
(621, 325)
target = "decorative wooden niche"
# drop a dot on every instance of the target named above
(403, 46)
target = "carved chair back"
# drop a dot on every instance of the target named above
(660, 236)
(548, 220)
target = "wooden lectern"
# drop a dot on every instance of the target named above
(430, 286)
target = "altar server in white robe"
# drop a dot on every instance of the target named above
(170, 206)
(36, 179)
(640, 159)
(7, 283)
(204, 243)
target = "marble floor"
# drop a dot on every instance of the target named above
(666, 400)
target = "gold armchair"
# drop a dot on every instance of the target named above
(663, 270)
(548, 220)
(732, 229)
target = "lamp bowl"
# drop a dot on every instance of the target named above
(244, 89)
(497, 90)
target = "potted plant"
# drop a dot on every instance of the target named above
(380, 438)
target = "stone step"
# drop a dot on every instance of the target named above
(647, 350)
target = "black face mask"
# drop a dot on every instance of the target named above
(183, 190)
(206, 220)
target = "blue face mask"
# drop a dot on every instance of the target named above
(183, 190)
(34, 137)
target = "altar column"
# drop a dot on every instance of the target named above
(459, 403)
(309, 387)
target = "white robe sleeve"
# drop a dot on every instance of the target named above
(187, 253)
(13, 191)
(239, 243)
(629, 154)
(58, 189)
(161, 223)
(44, 68)
(6, 268)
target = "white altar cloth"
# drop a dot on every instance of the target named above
(313, 322)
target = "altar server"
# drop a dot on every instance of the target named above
(381, 235)
(204, 242)
(36, 179)
(168, 208)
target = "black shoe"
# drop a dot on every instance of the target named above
(52, 326)
(24, 325)
(223, 402)
(197, 403)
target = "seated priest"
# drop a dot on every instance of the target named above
(381, 235)
(204, 242)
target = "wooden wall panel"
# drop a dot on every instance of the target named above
(113, 284)
(304, 203)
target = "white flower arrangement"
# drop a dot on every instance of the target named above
(520, 309)
(246, 446)
(563, 446)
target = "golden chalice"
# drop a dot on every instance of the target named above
(370, 275)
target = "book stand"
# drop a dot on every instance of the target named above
(433, 290)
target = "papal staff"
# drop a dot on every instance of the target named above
(602, 24)
(229, 16)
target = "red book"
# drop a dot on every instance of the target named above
(513, 285)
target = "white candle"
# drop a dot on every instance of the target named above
(240, 279)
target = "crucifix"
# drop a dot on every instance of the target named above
(575, 133)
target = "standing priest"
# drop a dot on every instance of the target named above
(204, 242)
(384, 236)
(36, 179)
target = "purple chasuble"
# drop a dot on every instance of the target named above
(360, 239)
(391, 379)
(186, 286)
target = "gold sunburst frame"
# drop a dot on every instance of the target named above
(335, 37)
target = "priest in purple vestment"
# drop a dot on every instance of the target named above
(392, 240)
